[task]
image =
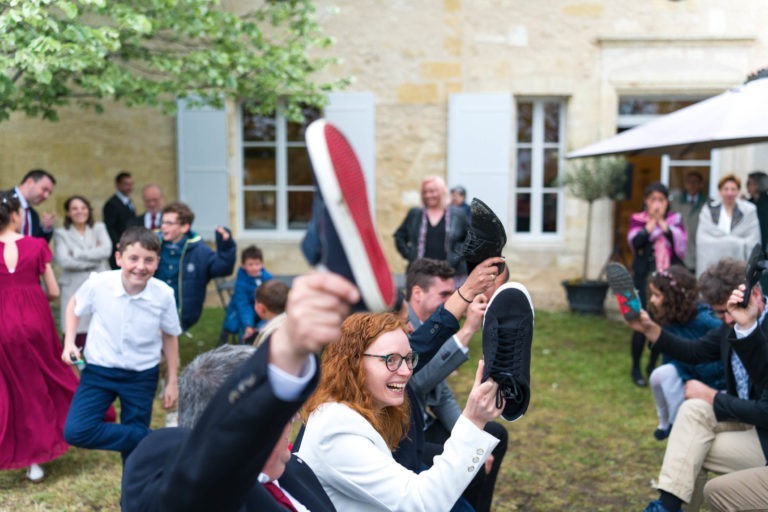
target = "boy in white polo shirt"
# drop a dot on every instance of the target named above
(134, 321)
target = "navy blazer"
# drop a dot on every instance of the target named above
(715, 345)
(215, 466)
(116, 216)
(37, 229)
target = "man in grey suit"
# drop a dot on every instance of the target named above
(434, 312)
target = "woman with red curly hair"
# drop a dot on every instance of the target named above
(359, 414)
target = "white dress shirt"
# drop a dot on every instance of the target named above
(125, 330)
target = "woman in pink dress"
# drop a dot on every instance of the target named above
(36, 387)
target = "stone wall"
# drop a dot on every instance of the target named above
(413, 56)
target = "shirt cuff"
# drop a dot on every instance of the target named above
(459, 344)
(289, 387)
(743, 333)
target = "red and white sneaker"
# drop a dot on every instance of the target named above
(341, 236)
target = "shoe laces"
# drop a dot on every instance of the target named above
(507, 363)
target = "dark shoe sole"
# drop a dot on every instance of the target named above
(753, 272)
(623, 288)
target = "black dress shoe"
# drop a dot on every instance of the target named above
(637, 378)
(486, 236)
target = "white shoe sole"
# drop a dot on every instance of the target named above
(515, 286)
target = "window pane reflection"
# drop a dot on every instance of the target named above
(551, 122)
(549, 213)
(259, 166)
(523, 168)
(299, 209)
(551, 166)
(260, 209)
(525, 122)
(523, 213)
(258, 128)
(299, 167)
(651, 106)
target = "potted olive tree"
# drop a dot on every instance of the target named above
(591, 179)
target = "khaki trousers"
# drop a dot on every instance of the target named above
(745, 490)
(699, 442)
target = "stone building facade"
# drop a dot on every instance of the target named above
(490, 94)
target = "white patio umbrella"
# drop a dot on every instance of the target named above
(737, 116)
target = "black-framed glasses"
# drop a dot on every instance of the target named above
(394, 361)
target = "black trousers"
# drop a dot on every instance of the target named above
(479, 493)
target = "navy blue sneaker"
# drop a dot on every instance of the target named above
(340, 236)
(656, 506)
(507, 337)
(661, 434)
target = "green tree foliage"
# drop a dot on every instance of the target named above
(150, 52)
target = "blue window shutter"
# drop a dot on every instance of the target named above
(202, 166)
(354, 113)
(479, 145)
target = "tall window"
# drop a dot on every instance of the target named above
(540, 145)
(277, 184)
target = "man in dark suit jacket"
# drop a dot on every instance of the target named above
(152, 217)
(35, 187)
(118, 210)
(734, 422)
(235, 428)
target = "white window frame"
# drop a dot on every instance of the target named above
(281, 187)
(537, 188)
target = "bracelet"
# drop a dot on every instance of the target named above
(458, 290)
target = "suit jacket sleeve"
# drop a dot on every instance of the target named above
(37, 227)
(222, 457)
(701, 350)
(64, 251)
(222, 262)
(752, 412)
(430, 336)
(111, 218)
(448, 358)
(404, 242)
(753, 352)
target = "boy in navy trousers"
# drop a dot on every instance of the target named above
(134, 322)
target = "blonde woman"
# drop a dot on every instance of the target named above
(434, 230)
